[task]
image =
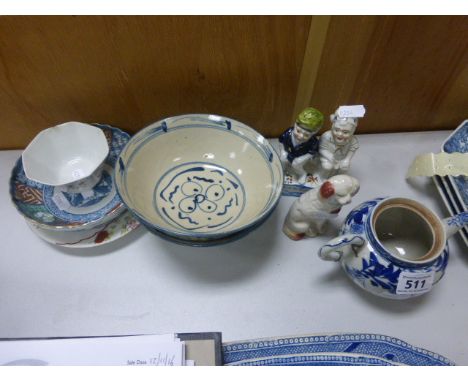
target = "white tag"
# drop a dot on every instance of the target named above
(414, 283)
(354, 111)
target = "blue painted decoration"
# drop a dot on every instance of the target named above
(364, 349)
(96, 194)
(59, 206)
(199, 197)
(379, 269)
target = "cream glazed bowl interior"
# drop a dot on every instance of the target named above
(198, 177)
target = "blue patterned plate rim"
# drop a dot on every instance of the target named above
(318, 359)
(442, 186)
(377, 345)
(34, 209)
(449, 144)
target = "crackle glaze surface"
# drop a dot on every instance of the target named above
(199, 178)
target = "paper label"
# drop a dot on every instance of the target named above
(414, 283)
(354, 111)
(146, 350)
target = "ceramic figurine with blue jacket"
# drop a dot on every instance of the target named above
(338, 145)
(310, 212)
(299, 144)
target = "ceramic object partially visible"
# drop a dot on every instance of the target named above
(310, 212)
(451, 203)
(393, 247)
(58, 207)
(338, 145)
(199, 179)
(205, 241)
(317, 359)
(299, 144)
(309, 161)
(66, 154)
(92, 237)
(457, 142)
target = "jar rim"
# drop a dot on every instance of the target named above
(430, 218)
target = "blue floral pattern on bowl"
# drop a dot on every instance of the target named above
(58, 207)
(371, 266)
(376, 270)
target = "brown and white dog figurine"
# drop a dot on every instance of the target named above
(309, 213)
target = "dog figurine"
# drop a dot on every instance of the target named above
(310, 212)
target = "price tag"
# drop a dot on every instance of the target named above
(355, 111)
(414, 283)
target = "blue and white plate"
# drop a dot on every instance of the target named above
(454, 189)
(362, 349)
(318, 359)
(453, 205)
(52, 207)
(457, 142)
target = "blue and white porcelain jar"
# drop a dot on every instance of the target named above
(393, 247)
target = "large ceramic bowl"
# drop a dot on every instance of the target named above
(199, 179)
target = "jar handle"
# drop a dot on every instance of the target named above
(336, 248)
(455, 223)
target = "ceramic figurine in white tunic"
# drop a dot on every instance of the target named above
(310, 212)
(299, 144)
(338, 145)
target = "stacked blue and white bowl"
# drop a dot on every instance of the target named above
(63, 185)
